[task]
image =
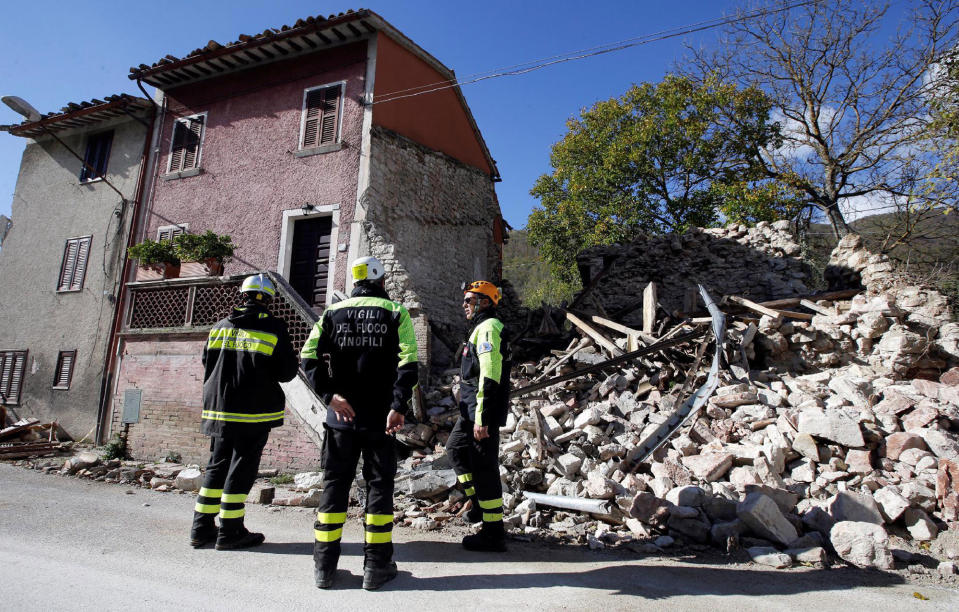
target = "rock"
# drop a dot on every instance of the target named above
(847, 506)
(872, 324)
(589, 416)
(664, 541)
(650, 509)
(942, 445)
(946, 544)
(891, 503)
(687, 496)
(805, 445)
(189, 479)
(569, 464)
(80, 462)
(720, 508)
(812, 555)
(598, 486)
(636, 528)
(310, 499)
(261, 494)
(818, 520)
(947, 489)
(763, 517)
(859, 461)
(947, 568)
(912, 456)
(833, 425)
(861, 544)
(156, 482)
(919, 495)
(424, 523)
(920, 526)
(919, 418)
(764, 555)
(431, 484)
(709, 467)
(304, 481)
(691, 528)
(610, 451)
(898, 442)
(720, 533)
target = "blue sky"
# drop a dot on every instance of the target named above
(52, 53)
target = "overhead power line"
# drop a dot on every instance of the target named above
(539, 64)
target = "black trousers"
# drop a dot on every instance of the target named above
(476, 464)
(341, 454)
(230, 474)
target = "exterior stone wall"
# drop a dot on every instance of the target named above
(51, 205)
(759, 263)
(170, 375)
(430, 219)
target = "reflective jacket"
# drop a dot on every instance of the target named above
(364, 349)
(484, 372)
(246, 357)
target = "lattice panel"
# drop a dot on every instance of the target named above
(299, 328)
(159, 307)
(214, 303)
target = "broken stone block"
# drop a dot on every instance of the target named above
(947, 489)
(189, 479)
(920, 526)
(261, 494)
(872, 324)
(691, 528)
(785, 499)
(689, 495)
(804, 471)
(304, 481)
(650, 509)
(818, 520)
(598, 486)
(947, 568)
(742, 476)
(891, 503)
(720, 533)
(431, 484)
(310, 499)
(912, 456)
(569, 464)
(919, 495)
(833, 425)
(862, 544)
(805, 445)
(80, 462)
(855, 507)
(942, 444)
(720, 508)
(709, 467)
(763, 517)
(898, 442)
(813, 555)
(859, 461)
(610, 451)
(589, 416)
(921, 416)
(766, 555)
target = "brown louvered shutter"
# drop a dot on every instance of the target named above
(176, 150)
(314, 104)
(68, 265)
(64, 369)
(6, 369)
(191, 145)
(12, 365)
(331, 105)
(322, 116)
(19, 361)
(80, 270)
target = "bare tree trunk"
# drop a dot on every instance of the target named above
(839, 226)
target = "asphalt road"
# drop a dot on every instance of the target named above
(69, 544)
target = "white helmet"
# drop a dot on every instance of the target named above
(259, 283)
(367, 268)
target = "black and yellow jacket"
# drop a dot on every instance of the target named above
(364, 349)
(247, 356)
(484, 372)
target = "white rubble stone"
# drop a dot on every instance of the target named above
(304, 481)
(943, 445)
(805, 445)
(709, 467)
(764, 518)
(853, 506)
(891, 503)
(833, 425)
(862, 544)
(767, 555)
(569, 464)
(920, 526)
(189, 479)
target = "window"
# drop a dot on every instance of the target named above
(12, 365)
(187, 140)
(169, 232)
(74, 265)
(64, 374)
(321, 116)
(95, 160)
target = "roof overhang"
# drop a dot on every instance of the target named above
(80, 115)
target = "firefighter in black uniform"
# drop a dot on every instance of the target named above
(473, 445)
(246, 357)
(361, 360)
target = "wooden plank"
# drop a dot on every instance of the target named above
(649, 308)
(803, 316)
(597, 337)
(829, 295)
(577, 346)
(813, 306)
(769, 312)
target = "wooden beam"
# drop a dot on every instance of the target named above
(649, 308)
(577, 347)
(769, 312)
(813, 306)
(597, 337)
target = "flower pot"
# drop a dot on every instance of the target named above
(166, 270)
(214, 266)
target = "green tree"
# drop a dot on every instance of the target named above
(657, 159)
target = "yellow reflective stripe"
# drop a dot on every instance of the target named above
(331, 518)
(210, 492)
(228, 514)
(470, 491)
(309, 347)
(490, 504)
(373, 537)
(244, 346)
(379, 519)
(489, 518)
(207, 508)
(239, 417)
(407, 338)
(232, 498)
(328, 536)
(464, 477)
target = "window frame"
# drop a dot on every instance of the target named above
(108, 149)
(72, 287)
(4, 357)
(337, 143)
(175, 230)
(72, 367)
(195, 169)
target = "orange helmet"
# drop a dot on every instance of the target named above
(485, 288)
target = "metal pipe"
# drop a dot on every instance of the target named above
(579, 504)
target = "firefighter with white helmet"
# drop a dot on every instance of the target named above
(361, 360)
(247, 356)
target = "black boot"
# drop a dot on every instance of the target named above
(235, 540)
(375, 576)
(475, 513)
(491, 538)
(204, 530)
(323, 576)
(325, 557)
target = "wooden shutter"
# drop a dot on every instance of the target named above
(185, 152)
(12, 367)
(176, 150)
(64, 373)
(322, 116)
(73, 269)
(169, 233)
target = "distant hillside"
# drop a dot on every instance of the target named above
(529, 274)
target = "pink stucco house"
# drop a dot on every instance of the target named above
(305, 144)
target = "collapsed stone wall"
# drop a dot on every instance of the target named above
(760, 263)
(430, 218)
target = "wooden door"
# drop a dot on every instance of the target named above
(310, 259)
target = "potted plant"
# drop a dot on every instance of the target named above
(209, 248)
(158, 256)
